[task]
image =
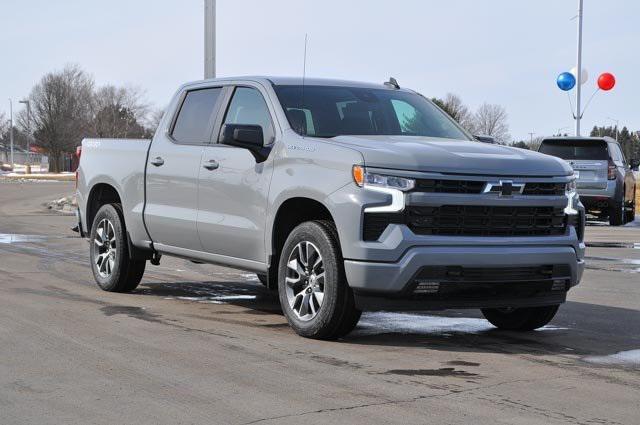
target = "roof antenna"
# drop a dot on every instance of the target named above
(304, 74)
(393, 83)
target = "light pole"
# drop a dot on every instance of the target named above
(617, 125)
(579, 68)
(531, 135)
(11, 130)
(28, 164)
(209, 38)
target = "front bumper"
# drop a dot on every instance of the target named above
(387, 286)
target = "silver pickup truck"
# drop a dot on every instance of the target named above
(341, 196)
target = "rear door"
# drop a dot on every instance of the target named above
(621, 164)
(173, 169)
(234, 187)
(588, 158)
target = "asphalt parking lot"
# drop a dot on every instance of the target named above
(206, 344)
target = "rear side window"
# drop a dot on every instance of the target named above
(193, 121)
(576, 149)
(616, 154)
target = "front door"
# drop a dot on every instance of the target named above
(173, 171)
(233, 187)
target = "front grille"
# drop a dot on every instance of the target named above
(449, 186)
(544, 189)
(475, 186)
(470, 220)
(473, 220)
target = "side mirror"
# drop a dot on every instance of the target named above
(246, 136)
(484, 139)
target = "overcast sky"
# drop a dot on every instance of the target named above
(499, 51)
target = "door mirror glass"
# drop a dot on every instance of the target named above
(245, 136)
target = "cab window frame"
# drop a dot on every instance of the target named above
(212, 117)
(228, 99)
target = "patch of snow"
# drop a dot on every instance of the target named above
(216, 299)
(250, 277)
(404, 323)
(631, 357)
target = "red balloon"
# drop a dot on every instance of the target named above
(606, 81)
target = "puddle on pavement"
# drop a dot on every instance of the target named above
(445, 371)
(623, 358)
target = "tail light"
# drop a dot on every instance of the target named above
(79, 151)
(611, 172)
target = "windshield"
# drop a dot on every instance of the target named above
(576, 149)
(328, 111)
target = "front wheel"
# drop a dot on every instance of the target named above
(314, 294)
(112, 268)
(520, 319)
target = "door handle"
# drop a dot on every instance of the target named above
(157, 161)
(211, 165)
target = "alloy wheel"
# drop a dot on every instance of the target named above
(305, 280)
(106, 249)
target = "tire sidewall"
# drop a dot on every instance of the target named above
(319, 236)
(110, 213)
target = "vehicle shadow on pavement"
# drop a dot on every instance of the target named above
(578, 329)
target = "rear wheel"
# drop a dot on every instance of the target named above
(631, 210)
(520, 319)
(112, 268)
(314, 294)
(617, 213)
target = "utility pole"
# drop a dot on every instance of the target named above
(209, 38)
(531, 135)
(579, 68)
(617, 125)
(28, 164)
(11, 131)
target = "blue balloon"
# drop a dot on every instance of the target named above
(566, 81)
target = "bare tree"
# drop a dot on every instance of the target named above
(61, 106)
(153, 121)
(119, 112)
(491, 120)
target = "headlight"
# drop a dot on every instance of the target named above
(572, 198)
(362, 178)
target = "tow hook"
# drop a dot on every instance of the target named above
(155, 260)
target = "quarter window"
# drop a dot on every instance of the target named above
(194, 119)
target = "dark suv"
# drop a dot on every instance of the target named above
(605, 179)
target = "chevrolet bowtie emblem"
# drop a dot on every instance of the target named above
(504, 188)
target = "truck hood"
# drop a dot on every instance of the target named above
(452, 156)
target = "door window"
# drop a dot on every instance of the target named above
(616, 154)
(193, 122)
(248, 107)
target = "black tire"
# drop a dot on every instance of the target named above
(617, 213)
(631, 212)
(520, 319)
(337, 315)
(125, 274)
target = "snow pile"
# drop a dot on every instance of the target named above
(626, 358)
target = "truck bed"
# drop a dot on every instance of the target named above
(120, 163)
